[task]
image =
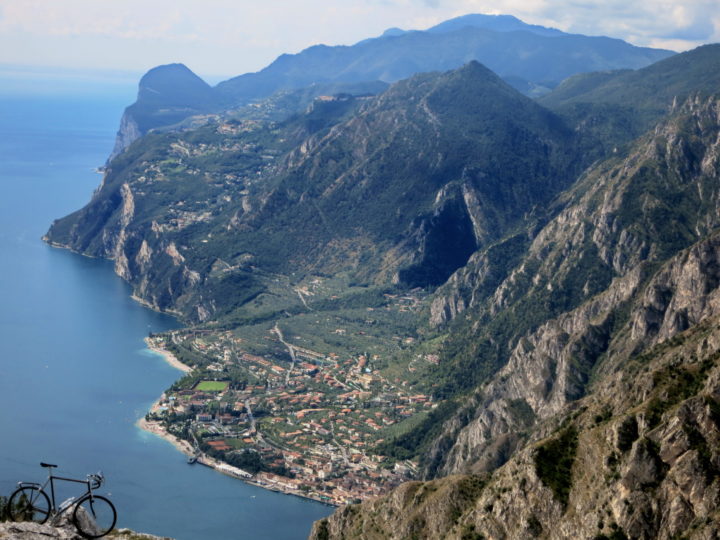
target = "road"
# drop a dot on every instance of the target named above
(290, 348)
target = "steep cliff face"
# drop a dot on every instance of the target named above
(600, 253)
(638, 458)
(166, 95)
(128, 133)
(604, 421)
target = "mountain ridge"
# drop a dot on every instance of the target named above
(604, 421)
(514, 49)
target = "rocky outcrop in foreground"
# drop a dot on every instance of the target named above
(63, 530)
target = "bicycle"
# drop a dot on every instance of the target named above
(93, 515)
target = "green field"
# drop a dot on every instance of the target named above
(212, 386)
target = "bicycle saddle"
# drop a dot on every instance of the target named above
(47, 465)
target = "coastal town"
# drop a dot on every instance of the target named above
(297, 421)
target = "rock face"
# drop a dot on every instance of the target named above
(64, 530)
(605, 233)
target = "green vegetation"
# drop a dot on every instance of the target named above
(467, 490)
(416, 441)
(627, 433)
(554, 461)
(674, 384)
(323, 533)
(212, 386)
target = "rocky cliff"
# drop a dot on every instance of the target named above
(62, 531)
(637, 458)
(602, 419)
(606, 245)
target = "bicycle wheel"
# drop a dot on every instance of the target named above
(94, 516)
(29, 503)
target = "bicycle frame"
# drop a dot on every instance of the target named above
(94, 516)
(51, 480)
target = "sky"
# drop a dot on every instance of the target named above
(222, 38)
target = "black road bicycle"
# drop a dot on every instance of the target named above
(93, 515)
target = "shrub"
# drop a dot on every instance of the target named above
(553, 463)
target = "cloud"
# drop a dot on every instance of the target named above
(234, 36)
(700, 29)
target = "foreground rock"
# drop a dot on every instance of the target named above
(64, 530)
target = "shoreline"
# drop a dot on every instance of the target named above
(169, 357)
(187, 449)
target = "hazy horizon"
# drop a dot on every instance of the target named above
(221, 39)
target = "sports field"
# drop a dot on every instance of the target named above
(212, 386)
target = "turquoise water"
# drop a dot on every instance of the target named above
(74, 373)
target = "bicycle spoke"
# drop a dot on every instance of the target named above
(29, 503)
(94, 516)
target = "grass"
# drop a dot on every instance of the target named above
(212, 386)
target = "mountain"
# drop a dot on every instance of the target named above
(525, 54)
(311, 192)
(532, 57)
(166, 95)
(621, 105)
(592, 358)
(497, 23)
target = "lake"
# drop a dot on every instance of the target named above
(75, 375)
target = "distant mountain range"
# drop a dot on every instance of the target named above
(532, 58)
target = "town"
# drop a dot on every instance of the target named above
(303, 422)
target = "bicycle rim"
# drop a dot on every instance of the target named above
(94, 516)
(29, 504)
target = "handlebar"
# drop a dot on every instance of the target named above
(96, 480)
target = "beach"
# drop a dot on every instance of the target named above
(156, 428)
(169, 357)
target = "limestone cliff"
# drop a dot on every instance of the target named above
(604, 419)
(606, 231)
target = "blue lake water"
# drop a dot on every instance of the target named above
(74, 372)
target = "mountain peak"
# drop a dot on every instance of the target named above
(394, 31)
(174, 82)
(496, 23)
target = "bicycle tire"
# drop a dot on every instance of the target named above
(94, 516)
(29, 503)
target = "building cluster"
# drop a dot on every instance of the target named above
(314, 423)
